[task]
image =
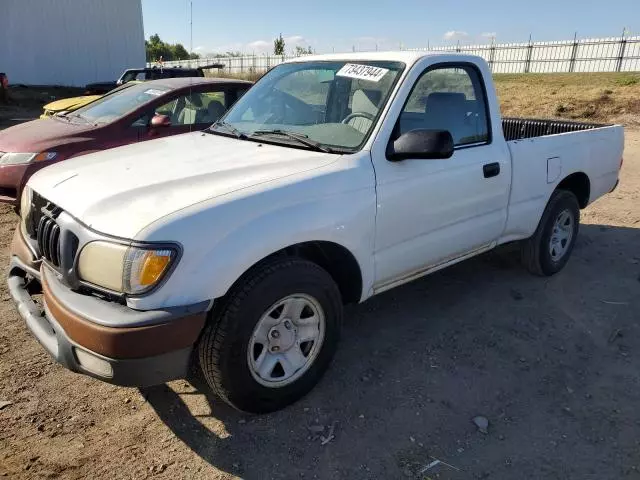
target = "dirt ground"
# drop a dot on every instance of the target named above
(25, 103)
(593, 97)
(551, 363)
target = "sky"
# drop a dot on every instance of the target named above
(343, 25)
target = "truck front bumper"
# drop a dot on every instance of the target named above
(156, 350)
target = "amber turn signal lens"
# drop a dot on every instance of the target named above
(45, 156)
(153, 267)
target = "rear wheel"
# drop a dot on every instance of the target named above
(273, 336)
(549, 249)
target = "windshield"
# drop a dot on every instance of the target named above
(118, 103)
(334, 104)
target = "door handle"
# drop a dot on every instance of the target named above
(491, 170)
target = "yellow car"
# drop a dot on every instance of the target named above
(66, 105)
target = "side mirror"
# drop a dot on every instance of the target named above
(421, 143)
(160, 121)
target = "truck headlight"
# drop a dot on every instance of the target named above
(125, 269)
(23, 158)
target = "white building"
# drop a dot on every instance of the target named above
(69, 42)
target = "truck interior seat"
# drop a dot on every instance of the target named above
(453, 112)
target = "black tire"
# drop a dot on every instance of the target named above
(224, 343)
(536, 255)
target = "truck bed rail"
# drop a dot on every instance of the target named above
(519, 128)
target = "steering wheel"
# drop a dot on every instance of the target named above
(353, 115)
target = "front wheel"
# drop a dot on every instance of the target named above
(273, 336)
(549, 249)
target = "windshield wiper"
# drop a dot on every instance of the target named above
(237, 133)
(300, 137)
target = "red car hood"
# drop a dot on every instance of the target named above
(40, 135)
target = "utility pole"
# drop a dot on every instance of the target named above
(191, 29)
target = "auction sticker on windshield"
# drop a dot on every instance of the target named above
(362, 72)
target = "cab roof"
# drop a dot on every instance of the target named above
(409, 57)
(181, 82)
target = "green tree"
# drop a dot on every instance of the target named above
(302, 51)
(179, 52)
(278, 46)
(156, 48)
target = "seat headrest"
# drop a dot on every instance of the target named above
(194, 100)
(216, 109)
(366, 101)
(440, 100)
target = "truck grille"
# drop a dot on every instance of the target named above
(42, 227)
(48, 238)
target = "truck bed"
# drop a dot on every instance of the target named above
(544, 159)
(519, 128)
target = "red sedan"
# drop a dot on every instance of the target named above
(141, 112)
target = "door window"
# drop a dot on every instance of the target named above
(448, 98)
(195, 108)
(142, 121)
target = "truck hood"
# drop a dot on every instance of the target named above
(122, 190)
(39, 135)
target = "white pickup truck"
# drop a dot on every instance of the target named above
(333, 179)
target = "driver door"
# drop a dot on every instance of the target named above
(432, 212)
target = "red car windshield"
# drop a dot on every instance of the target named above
(116, 104)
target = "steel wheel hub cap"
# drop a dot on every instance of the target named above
(286, 340)
(561, 235)
(282, 337)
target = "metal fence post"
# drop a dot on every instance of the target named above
(623, 46)
(574, 52)
(527, 64)
(492, 54)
